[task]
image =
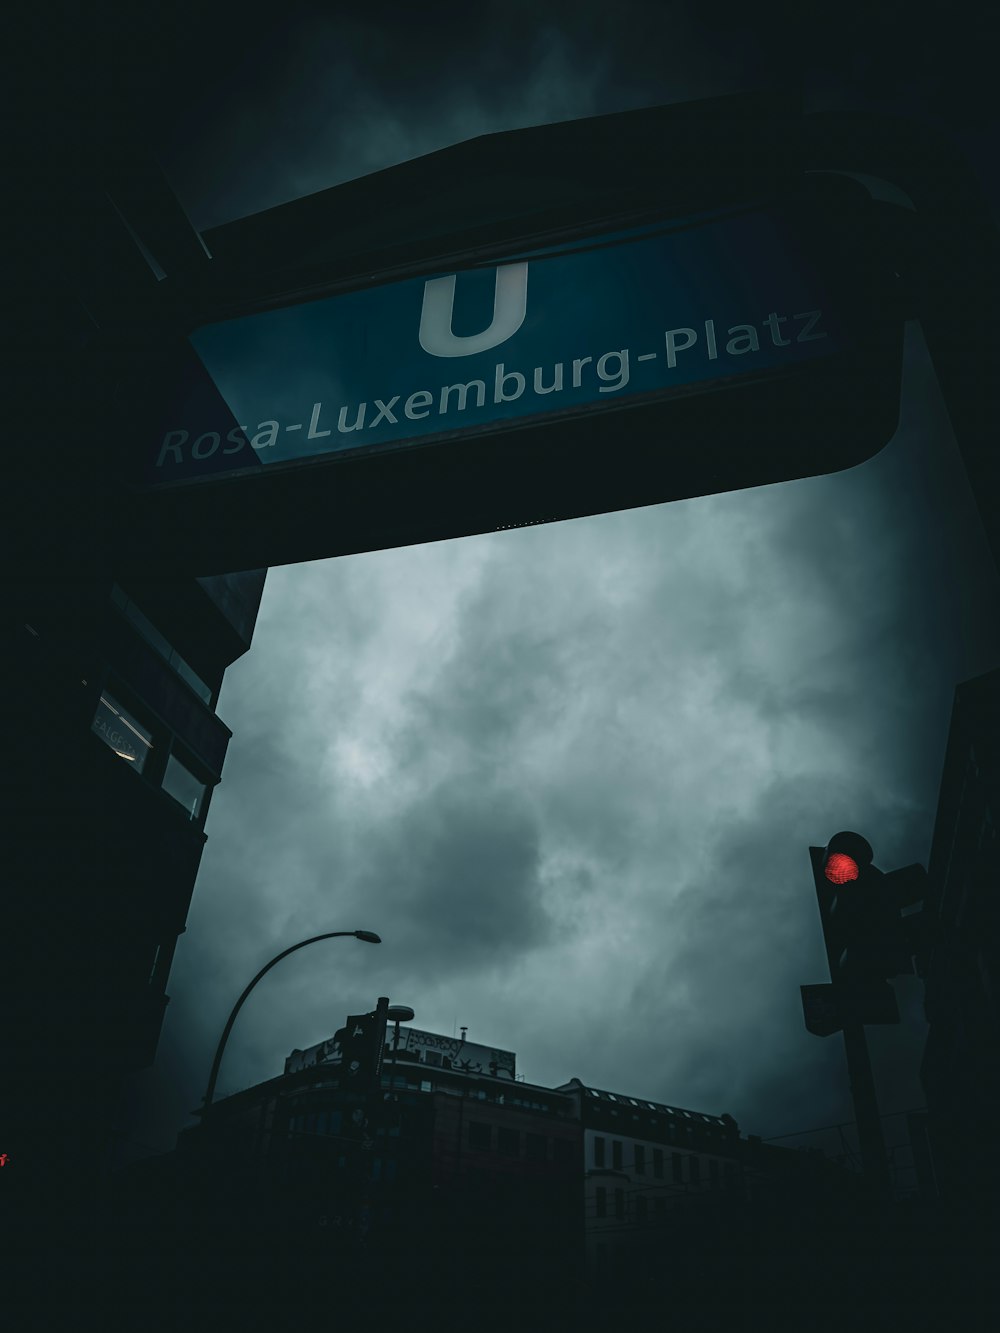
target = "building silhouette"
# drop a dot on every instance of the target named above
(490, 1190)
(447, 1138)
(117, 652)
(111, 782)
(961, 1065)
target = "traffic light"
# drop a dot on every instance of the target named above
(868, 940)
(868, 937)
(361, 1041)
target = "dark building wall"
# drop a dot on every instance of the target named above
(285, 1166)
(100, 862)
(961, 1065)
(476, 1139)
(237, 597)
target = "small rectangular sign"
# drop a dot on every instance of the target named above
(605, 321)
(828, 1008)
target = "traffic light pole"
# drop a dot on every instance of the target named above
(870, 1138)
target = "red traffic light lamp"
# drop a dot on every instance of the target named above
(846, 858)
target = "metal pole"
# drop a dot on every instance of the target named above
(331, 934)
(859, 1069)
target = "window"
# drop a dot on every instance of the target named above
(729, 1171)
(713, 1173)
(601, 1200)
(640, 1159)
(180, 783)
(118, 729)
(660, 1207)
(694, 1168)
(641, 1209)
(535, 1147)
(675, 1167)
(432, 1057)
(508, 1141)
(658, 1163)
(598, 1152)
(479, 1135)
(616, 1154)
(620, 1205)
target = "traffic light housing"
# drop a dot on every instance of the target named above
(361, 1041)
(868, 937)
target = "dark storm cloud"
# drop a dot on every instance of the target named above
(321, 94)
(333, 97)
(457, 873)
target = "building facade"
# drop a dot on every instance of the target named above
(114, 766)
(470, 1176)
(643, 1162)
(117, 650)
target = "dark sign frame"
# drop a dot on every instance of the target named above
(713, 153)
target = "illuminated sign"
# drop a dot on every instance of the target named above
(119, 730)
(619, 318)
(586, 371)
(427, 1048)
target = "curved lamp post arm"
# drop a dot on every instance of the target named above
(368, 935)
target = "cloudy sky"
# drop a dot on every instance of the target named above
(570, 773)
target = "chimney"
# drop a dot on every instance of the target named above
(464, 1031)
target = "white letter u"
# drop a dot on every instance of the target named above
(510, 300)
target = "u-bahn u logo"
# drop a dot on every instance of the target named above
(510, 300)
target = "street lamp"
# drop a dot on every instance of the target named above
(398, 1013)
(368, 936)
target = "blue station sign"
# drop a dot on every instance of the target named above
(609, 320)
(316, 407)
